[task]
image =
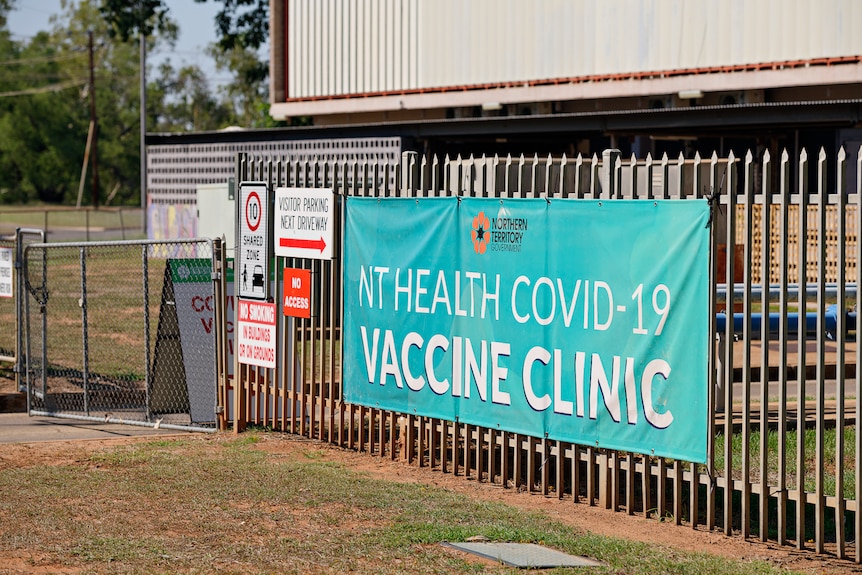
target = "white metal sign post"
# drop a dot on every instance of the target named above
(304, 223)
(253, 245)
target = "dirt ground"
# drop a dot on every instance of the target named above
(580, 515)
(7, 382)
(603, 522)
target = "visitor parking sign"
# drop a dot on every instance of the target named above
(304, 223)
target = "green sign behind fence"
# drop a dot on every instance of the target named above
(584, 321)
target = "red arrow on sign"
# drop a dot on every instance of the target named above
(302, 244)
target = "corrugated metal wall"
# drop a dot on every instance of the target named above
(337, 47)
(351, 46)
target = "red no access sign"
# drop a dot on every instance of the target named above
(297, 293)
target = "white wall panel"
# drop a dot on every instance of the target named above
(479, 43)
(396, 42)
(588, 35)
(291, 48)
(822, 39)
(314, 63)
(337, 47)
(569, 33)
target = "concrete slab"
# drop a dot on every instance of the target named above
(21, 428)
(523, 555)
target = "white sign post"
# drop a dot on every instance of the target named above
(6, 266)
(253, 270)
(304, 223)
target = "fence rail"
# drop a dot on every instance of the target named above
(74, 224)
(783, 456)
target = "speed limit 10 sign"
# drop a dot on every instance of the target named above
(252, 274)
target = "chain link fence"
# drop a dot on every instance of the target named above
(122, 331)
(8, 300)
(68, 224)
(11, 249)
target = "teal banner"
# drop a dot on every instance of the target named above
(583, 321)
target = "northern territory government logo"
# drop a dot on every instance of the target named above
(498, 234)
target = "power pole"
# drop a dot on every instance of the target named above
(143, 87)
(95, 122)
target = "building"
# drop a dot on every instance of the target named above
(551, 76)
(377, 77)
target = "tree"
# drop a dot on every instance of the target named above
(181, 101)
(249, 101)
(130, 18)
(5, 7)
(43, 130)
(43, 124)
(44, 112)
(244, 25)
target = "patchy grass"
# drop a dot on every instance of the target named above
(113, 278)
(810, 446)
(225, 504)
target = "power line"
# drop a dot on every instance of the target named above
(186, 52)
(32, 9)
(43, 90)
(26, 74)
(39, 59)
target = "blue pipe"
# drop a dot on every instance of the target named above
(773, 319)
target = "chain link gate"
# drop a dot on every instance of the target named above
(8, 315)
(11, 298)
(124, 332)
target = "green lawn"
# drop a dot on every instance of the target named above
(228, 504)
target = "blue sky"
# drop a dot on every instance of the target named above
(196, 22)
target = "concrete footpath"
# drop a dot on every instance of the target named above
(21, 428)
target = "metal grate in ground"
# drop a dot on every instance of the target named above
(523, 555)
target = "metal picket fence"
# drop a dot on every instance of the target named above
(123, 331)
(783, 455)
